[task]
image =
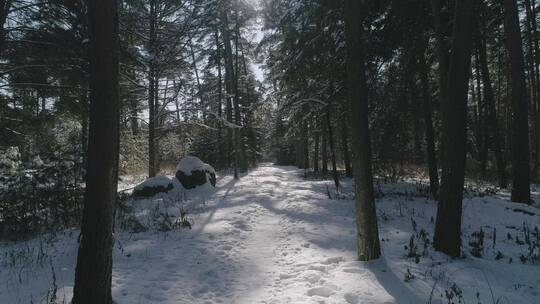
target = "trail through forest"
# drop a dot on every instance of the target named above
(277, 236)
(270, 237)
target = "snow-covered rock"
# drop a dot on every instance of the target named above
(193, 172)
(153, 186)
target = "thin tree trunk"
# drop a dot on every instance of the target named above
(158, 122)
(535, 102)
(520, 126)
(229, 80)
(483, 115)
(332, 148)
(430, 134)
(199, 87)
(317, 135)
(219, 97)
(442, 50)
(93, 273)
(366, 217)
(454, 119)
(345, 147)
(240, 154)
(251, 138)
(324, 150)
(152, 170)
(414, 111)
(305, 147)
(489, 101)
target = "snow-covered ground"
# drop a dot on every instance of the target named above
(274, 237)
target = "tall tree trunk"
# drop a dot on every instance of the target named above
(489, 101)
(94, 260)
(229, 81)
(199, 87)
(520, 119)
(158, 122)
(430, 134)
(152, 170)
(85, 112)
(324, 149)
(332, 148)
(305, 146)
(534, 50)
(442, 49)
(219, 97)
(454, 119)
(345, 147)
(251, 137)
(415, 112)
(483, 115)
(366, 217)
(317, 135)
(240, 152)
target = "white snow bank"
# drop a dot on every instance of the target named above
(152, 182)
(192, 163)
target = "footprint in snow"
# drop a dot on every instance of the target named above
(320, 268)
(312, 278)
(353, 270)
(321, 291)
(351, 298)
(285, 276)
(241, 225)
(333, 260)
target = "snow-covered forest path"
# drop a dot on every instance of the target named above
(276, 237)
(270, 237)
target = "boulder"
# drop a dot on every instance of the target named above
(153, 186)
(193, 172)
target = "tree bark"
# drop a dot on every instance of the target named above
(152, 170)
(222, 157)
(489, 101)
(324, 150)
(366, 217)
(199, 87)
(305, 146)
(442, 49)
(428, 121)
(447, 237)
(317, 135)
(345, 147)
(231, 88)
(535, 86)
(240, 150)
(332, 148)
(94, 260)
(520, 118)
(483, 114)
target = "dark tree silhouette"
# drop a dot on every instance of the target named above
(94, 260)
(454, 120)
(366, 217)
(520, 120)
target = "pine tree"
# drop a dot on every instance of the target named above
(366, 216)
(520, 118)
(447, 236)
(94, 261)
